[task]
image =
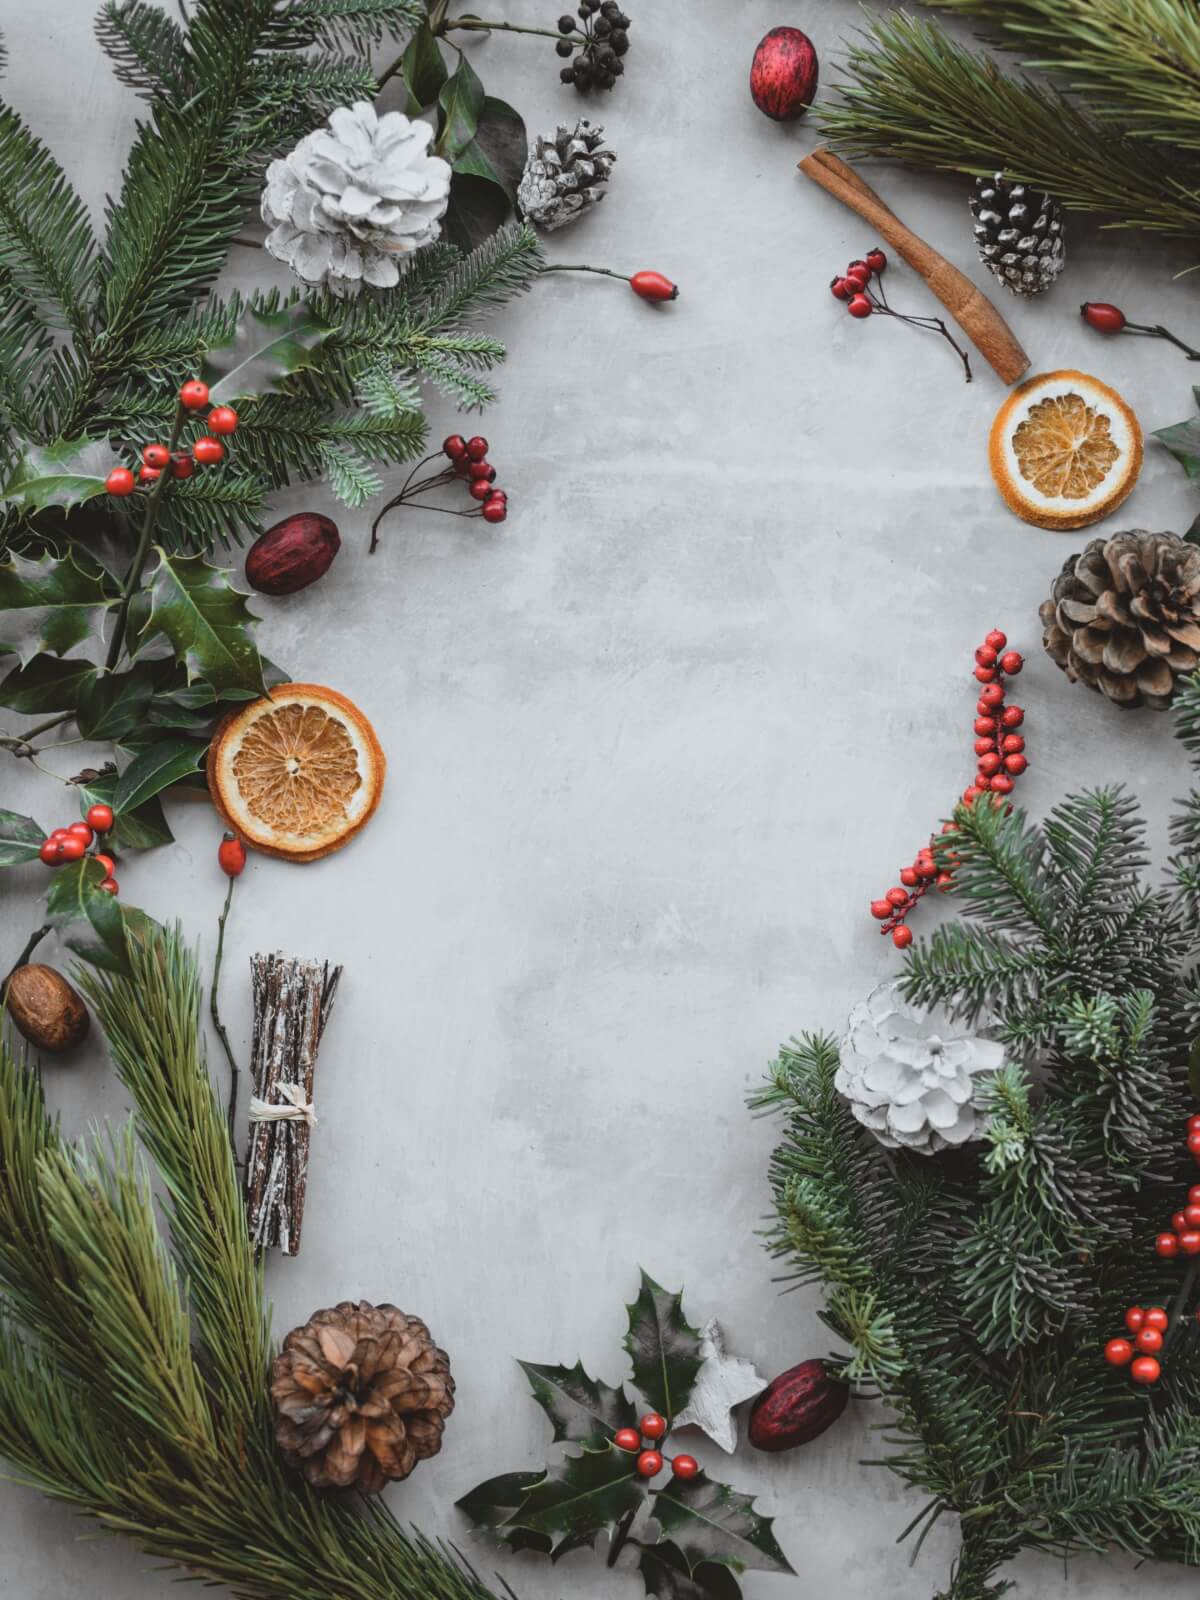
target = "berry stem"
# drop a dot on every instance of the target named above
(215, 1014)
(933, 324)
(1157, 331)
(31, 944)
(478, 25)
(605, 272)
(619, 1538)
(133, 576)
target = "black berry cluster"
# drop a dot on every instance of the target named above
(601, 41)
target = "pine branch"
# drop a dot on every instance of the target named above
(353, 24)
(46, 245)
(503, 266)
(147, 48)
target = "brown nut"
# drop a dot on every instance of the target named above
(292, 554)
(45, 1008)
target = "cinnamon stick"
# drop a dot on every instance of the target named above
(969, 306)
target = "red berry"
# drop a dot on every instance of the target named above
(1166, 1245)
(156, 455)
(1149, 1341)
(231, 855)
(1002, 783)
(881, 910)
(626, 1439)
(482, 469)
(119, 481)
(1193, 1123)
(925, 865)
(857, 279)
(49, 852)
(148, 474)
(1145, 1370)
(902, 937)
(876, 259)
(182, 466)
(222, 419)
(943, 882)
(1012, 716)
(194, 395)
(1189, 1242)
(1012, 744)
(989, 765)
(1179, 1222)
(83, 831)
(653, 286)
(985, 656)
(72, 848)
(479, 489)
(1016, 764)
(652, 1425)
(985, 674)
(858, 305)
(1191, 1215)
(970, 794)
(985, 725)
(840, 289)
(982, 781)
(898, 896)
(1101, 316)
(495, 510)
(110, 886)
(1012, 661)
(1134, 1318)
(100, 817)
(908, 877)
(455, 446)
(1193, 1144)
(996, 639)
(649, 1463)
(993, 695)
(208, 451)
(477, 448)
(985, 747)
(1118, 1352)
(685, 1466)
(1156, 1317)
(1194, 1195)
(106, 862)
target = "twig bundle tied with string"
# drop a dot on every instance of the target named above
(292, 1002)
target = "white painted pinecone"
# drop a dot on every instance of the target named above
(355, 198)
(565, 173)
(911, 1073)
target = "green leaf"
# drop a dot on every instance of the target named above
(71, 888)
(46, 684)
(1182, 439)
(1194, 1069)
(64, 473)
(665, 1573)
(422, 66)
(194, 606)
(113, 703)
(583, 1410)
(491, 1505)
(156, 769)
(20, 838)
(266, 348)
(60, 602)
(143, 829)
(582, 1493)
(664, 1349)
(499, 149)
(116, 925)
(461, 101)
(709, 1521)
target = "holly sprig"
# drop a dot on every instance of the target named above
(692, 1533)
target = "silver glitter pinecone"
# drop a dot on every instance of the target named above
(1019, 232)
(564, 175)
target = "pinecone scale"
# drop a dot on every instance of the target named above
(1019, 234)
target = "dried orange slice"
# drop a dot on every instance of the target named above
(297, 774)
(1065, 450)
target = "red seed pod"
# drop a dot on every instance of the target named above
(898, 896)
(902, 936)
(985, 656)
(985, 725)
(1145, 1370)
(1012, 661)
(1166, 1245)
(859, 306)
(1156, 1317)
(119, 482)
(650, 1463)
(1118, 1352)
(231, 855)
(985, 674)
(194, 395)
(997, 639)
(784, 74)
(100, 817)
(653, 286)
(876, 260)
(627, 1439)
(222, 419)
(1012, 716)
(1100, 315)
(840, 289)
(881, 910)
(208, 451)
(1012, 744)
(156, 455)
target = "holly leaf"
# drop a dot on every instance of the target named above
(709, 1521)
(422, 66)
(142, 829)
(46, 684)
(194, 605)
(166, 762)
(1182, 439)
(64, 473)
(665, 1573)
(59, 601)
(580, 1494)
(266, 348)
(113, 703)
(492, 1505)
(664, 1348)
(583, 1410)
(460, 100)
(117, 926)
(20, 838)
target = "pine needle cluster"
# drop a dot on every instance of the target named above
(1110, 123)
(976, 1289)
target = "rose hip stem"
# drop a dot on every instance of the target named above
(1157, 331)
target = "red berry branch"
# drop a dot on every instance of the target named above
(205, 451)
(73, 842)
(861, 290)
(1000, 761)
(647, 285)
(468, 461)
(1106, 318)
(650, 1462)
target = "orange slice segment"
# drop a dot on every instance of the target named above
(1065, 450)
(296, 774)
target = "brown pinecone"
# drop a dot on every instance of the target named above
(1124, 616)
(362, 1394)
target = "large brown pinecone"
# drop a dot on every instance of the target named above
(1124, 616)
(361, 1395)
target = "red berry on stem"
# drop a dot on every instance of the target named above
(996, 639)
(477, 448)
(495, 511)
(231, 855)
(1194, 1195)
(182, 466)
(1166, 1245)
(1193, 1122)
(840, 289)
(859, 306)
(482, 470)
(898, 896)
(970, 794)
(194, 395)
(902, 937)
(989, 764)
(1193, 1144)
(1179, 1222)
(49, 852)
(876, 259)
(985, 725)
(82, 830)
(1189, 1242)
(1012, 661)
(1149, 1341)
(649, 1463)
(455, 446)
(1145, 1370)
(156, 455)
(685, 1466)
(208, 451)
(1156, 1317)
(479, 489)
(106, 862)
(148, 474)
(653, 286)
(1002, 783)
(985, 656)
(985, 674)
(1134, 1318)
(652, 1425)
(1012, 744)
(100, 817)
(881, 910)
(985, 746)
(626, 1439)
(110, 886)
(72, 848)
(222, 419)
(859, 269)
(1012, 716)
(1118, 1352)
(120, 481)
(1100, 315)
(1016, 764)
(993, 695)
(908, 877)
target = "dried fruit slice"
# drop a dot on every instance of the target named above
(296, 774)
(1065, 450)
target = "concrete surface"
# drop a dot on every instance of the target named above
(654, 744)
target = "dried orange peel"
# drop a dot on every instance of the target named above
(1065, 450)
(297, 774)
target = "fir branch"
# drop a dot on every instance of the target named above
(46, 245)
(147, 48)
(353, 24)
(503, 266)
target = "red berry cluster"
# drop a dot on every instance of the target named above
(73, 842)
(650, 1462)
(206, 451)
(1140, 1354)
(1000, 759)
(860, 289)
(1184, 1237)
(468, 460)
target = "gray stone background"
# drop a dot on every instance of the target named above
(654, 744)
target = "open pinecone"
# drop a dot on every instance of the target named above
(361, 1395)
(1019, 234)
(1124, 616)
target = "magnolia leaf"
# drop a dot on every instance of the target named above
(1194, 1069)
(582, 1493)
(64, 473)
(582, 1409)
(113, 703)
(142, 829)
(194, 606)
(461, 101)
(665, 1573)
(20, 838)
(499, 149)
(709, 1521)
(664, 1348)
(166, 762)
(422, 67)
(59, 601)
(266, 348)
(1182, 439)
(46, 684)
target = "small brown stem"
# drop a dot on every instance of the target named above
(604, 272)
(1157, 331)
(621, 1536)
(215, 1013)
(133, 576)
(31, 944)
